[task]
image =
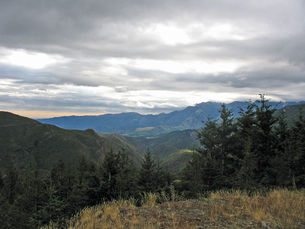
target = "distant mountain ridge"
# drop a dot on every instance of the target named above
(23, 139)
(135, 124)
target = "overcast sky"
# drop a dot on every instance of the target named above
(64, 57)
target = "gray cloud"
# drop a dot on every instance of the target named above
(109, 48)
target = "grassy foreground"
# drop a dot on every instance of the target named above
(222, 209)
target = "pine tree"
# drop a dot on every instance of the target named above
(32, 199)
(93, 184)
(298, 151)
(265, 142)
(127, 176)
(59, 182)
(163, 178)
(147, 173)
(248, 166)
(213, 164)
(246, 127)
(283, 161)
(218, 143)
(192, 176)
(12, 183)
(245, 153)
(228, 141)
(118, 176)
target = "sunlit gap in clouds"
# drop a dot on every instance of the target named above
(173, 34)
(28, 59)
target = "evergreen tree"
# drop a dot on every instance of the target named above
(282, 162)
(228, 141)
(298, 151)
(192, 176)
(92, 185)
(246, 128)
(265, 142)
(12, 184)
(245, 149)
(127, 176)
(78, 196)
(118, 176)
(245, 178)
(108, 171)
(32, 199)
(218, 143)
(147, 174)
(213, 165)
(59, 183)
(163, 177)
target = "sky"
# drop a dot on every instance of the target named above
(75, 57)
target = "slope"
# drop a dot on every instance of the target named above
(24, 141)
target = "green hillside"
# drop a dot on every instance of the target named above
(23, 141)
(176, 162)
(291, 112)
(164, 145)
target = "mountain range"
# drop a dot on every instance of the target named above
(135, 124)
(25, 141)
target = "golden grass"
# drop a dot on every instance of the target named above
(149, 199)
(225, 209)
(280, 208)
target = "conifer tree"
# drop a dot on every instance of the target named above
(59, 182)
(127, 176)
(245, 177)
(213, 165)
(228, 141)
(163, 177)
(147, 173)
(118, 176)
(282, 162)
(108, 171)
(264, 138)
(12, 183)
(298, 151)
(244, 152)
(33, 196)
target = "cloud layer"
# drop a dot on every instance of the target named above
(147, 56)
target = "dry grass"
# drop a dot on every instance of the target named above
(222, 209)
(277, 208)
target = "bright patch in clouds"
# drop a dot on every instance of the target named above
(171, 35)
(31, 60)
(225, 32)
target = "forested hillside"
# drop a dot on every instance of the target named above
(24, 141)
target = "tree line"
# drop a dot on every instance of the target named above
(30, 200)
(256, 150)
